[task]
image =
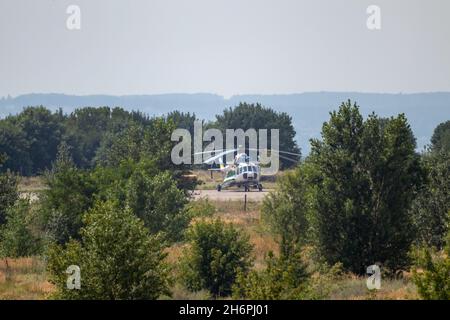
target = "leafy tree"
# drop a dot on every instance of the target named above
(431, 272)
(16, 236)
(86, 128)
(432, 203)
(218, 252)
(158, 202)
(182, 120)
(150, 143)
(137, 142)
(43, 132)
(440, 141)
(8, 193)
(368, 173)
(246, 116)
(14, 145)
(286, 210)
(69, 194)
(118, 258)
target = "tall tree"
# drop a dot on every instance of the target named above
(368, 175)
(246, 116)
(68, 195)
(15, 147)
(43, 133)
(286, 210)
(432, 203)
(158, 202)
(8, 191)
(440, 141)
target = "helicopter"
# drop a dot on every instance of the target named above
(242, 171)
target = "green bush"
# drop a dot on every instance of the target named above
(286, 210)
(16, 236)
(8, 193)
(431, 272)
(159, 203)
(218, 252)
(69, 194)
(117, 256)
(432, 203)
(201, 208)
(282, 279)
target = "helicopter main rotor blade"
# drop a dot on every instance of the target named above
(286, 158)
(219, 155)
(278, 151)
(211, 151)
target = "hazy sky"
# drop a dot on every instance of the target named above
(223, 46)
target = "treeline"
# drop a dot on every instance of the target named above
(30, 139)
(362, 197)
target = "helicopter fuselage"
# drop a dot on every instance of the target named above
(243, 174)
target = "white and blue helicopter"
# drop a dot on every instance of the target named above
(242, 171)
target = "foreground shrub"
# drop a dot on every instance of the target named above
(118, 258)
(157, 200)
(432, 203)
(69, 193)
(8, 192)
(16, 236)
(282, 279)
(286, 210)
(431, 273)
(218, 252)
(201, 208)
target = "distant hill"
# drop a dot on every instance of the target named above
(308, 110)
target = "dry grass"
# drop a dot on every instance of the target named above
(26, 277)
(348, 287)
(250, 222)
(354, 288)
(23, 279)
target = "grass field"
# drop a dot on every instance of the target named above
(26, 278)
(23, 279)
(347, 287)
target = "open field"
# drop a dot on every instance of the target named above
(23, 279)
(26, 278)
(347, 287)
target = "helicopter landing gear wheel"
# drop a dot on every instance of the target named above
(219, 187)
(246, 189)
(260, 187)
